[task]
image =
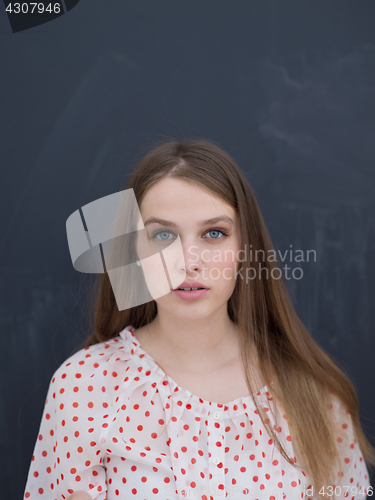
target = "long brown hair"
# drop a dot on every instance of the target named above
(303, 375)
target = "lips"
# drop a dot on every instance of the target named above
(190, 284)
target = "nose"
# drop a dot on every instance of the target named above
(192, 260)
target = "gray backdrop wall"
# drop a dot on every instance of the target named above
(287, 88)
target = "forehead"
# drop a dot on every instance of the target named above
(176, 197)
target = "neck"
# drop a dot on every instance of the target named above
(194, 345)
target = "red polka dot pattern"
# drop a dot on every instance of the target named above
(103, 431)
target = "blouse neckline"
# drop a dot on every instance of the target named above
(144, 360)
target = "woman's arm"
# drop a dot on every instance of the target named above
(68, 454)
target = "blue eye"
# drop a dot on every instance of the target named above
(224, 233)
(155, 235)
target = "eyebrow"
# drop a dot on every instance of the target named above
(206, 222)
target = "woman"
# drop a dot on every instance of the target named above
(200, 393)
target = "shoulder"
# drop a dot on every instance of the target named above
(93, 369)
(85, 363)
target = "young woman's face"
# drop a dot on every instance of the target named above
(210, 249)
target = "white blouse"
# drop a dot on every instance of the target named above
(103, 430)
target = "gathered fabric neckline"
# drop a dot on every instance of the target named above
(145, 361)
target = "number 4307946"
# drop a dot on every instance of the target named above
(40, 8)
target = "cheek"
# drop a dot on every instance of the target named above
(224, 259)
(223, 267)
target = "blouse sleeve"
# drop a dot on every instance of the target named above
(68, 455)
(352, 481)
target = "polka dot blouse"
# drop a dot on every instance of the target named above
(104, 430)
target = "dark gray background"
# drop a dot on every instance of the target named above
(287, 88)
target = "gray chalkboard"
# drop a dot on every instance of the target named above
(287, 88)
